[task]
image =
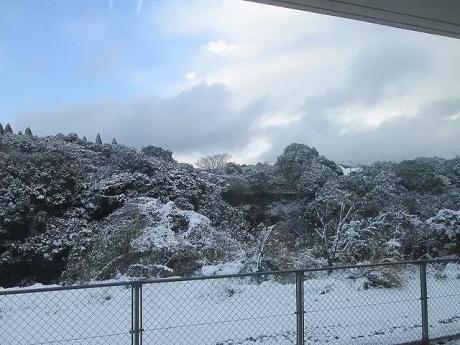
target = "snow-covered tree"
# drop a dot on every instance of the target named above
(28, 132)
(59, 195)
(214, 163)
(332, 209)
(8, 129)
(158, 152)
(313, 178)
(443, 233)
(149, 238)
(265, 235)
(393, 235)
(2, 131)
(331, 230)
(298, 158)
(114, 141)
(98, 139)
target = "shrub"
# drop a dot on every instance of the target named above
(385, 277)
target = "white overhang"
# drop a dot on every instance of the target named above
(439, 17)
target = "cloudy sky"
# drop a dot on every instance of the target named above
(208, 76)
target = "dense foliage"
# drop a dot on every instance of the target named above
(74, 210)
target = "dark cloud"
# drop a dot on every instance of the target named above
(382, 65)
(199, 119)
(434, 131)
(371, 73)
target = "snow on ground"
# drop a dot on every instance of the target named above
(234, 311)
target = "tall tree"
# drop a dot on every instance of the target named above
(98, 139)
(8, 129)
(28, 132)
(2, 131)
(114, 141)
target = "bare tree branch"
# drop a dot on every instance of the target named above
(214, 162)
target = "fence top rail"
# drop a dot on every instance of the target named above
(223, 276)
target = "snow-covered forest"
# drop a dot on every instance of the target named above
(73, 210)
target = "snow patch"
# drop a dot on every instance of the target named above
(162, 235)
(231, 267)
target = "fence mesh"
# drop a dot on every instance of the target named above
(223, 311)
(378, 305)
(86, 317)
(359, 305)
(443, 285)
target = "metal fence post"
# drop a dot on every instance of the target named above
(424, 303)
(136, 313)
(300, 311)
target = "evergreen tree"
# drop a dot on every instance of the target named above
(2, 131)
(20, 133)
(8, 129)
(114, 141)
(28, 132)
(98, 139)
(84, 138)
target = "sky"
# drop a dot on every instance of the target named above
(201, 77)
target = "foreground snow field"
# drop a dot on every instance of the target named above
(236, 311)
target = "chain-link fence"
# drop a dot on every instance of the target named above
(392, 303)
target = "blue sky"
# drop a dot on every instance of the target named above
(207, 76)
(80, 51)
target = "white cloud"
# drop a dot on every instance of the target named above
(278, 119)
(225, 50)
(284, 76)
(296, 55)
(261, 55)
(190, 76)
(249, 154)
(455, 116)
(252, 152)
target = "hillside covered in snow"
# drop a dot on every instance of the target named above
(73, 210)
